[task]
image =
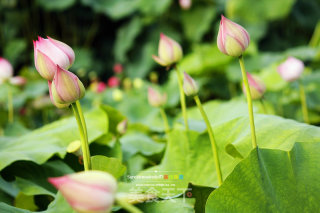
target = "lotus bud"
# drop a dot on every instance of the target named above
(58, 105)
(190, 87)
(291, 69)
(137, 83)
(122, 126)
(154, 77)
(87, 192)
(48, 53)
(18, 81)
(66, 87)
(155, 98)
(113, 82)
(169, 51)
(6, 70)
(257, 87)
(117, 95)
(232, 39)
(117, 68)
(185, 4)
(101, 86)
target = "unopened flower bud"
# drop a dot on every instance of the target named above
(155, 98)
(6, 70)
(185, 4)
(169, 51)
(232, 39)
(113, 82)
(18, 80)
(48, 53)
(291, 69)
(190, 87)
(87, 192)
(117, 68)
(122, 126)
(257, 87)
(66, 87)
(58, 105)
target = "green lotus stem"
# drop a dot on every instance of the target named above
(303, 103)
(83, 139)
(165, 120)
(315, 39)
(10, 105)
(83, 122)
(127, 206)
(212, 140)
(249, 100)
(182, 98)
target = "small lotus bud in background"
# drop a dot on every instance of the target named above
(257, 87)
(154, 77)
(18, 80)
(101, 86)
(48, 53)
(232, 39)
(137, 83)
(169, 51)
(89, 191)
(66, 87)
(117, 95)
(122, 126)
(190, 87)
(155, 98)
(113, 82)
(75, 148)
(127, 84)
(291, 69)
(6, 70)
(117, 68)
(185, 4)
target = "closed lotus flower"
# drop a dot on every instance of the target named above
(169, 51)
(291, 69)
(190, 87)
(48, 53)
(66, 87)
(155, 98)
(87, 192)
(6, 70)
(18, 80)
(257, 87)
(232, 39)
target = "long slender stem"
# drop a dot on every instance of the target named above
(249, 100)
(127, 206)
(212, 140)
(83, 122)
(165, 120)
(303, 103)
(10, 105)
(84, 143)
(182, 98)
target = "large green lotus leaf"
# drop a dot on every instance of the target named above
(39, 145)
(258, 11)
(178, 205)
(272, 181)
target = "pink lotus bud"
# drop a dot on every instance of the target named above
(155, 98)
(117, 68)
(291, 69)
(185, 4)
(113, 82)
(66, 87)
(48, 53)
(169, 51)
(257, 87)
(190, 87)
(101, 87)
(87, 192)
(232, 39)
(6, 70)
(18, 80)
(122, 126)
(52, 100)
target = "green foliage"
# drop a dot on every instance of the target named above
(110, 165)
